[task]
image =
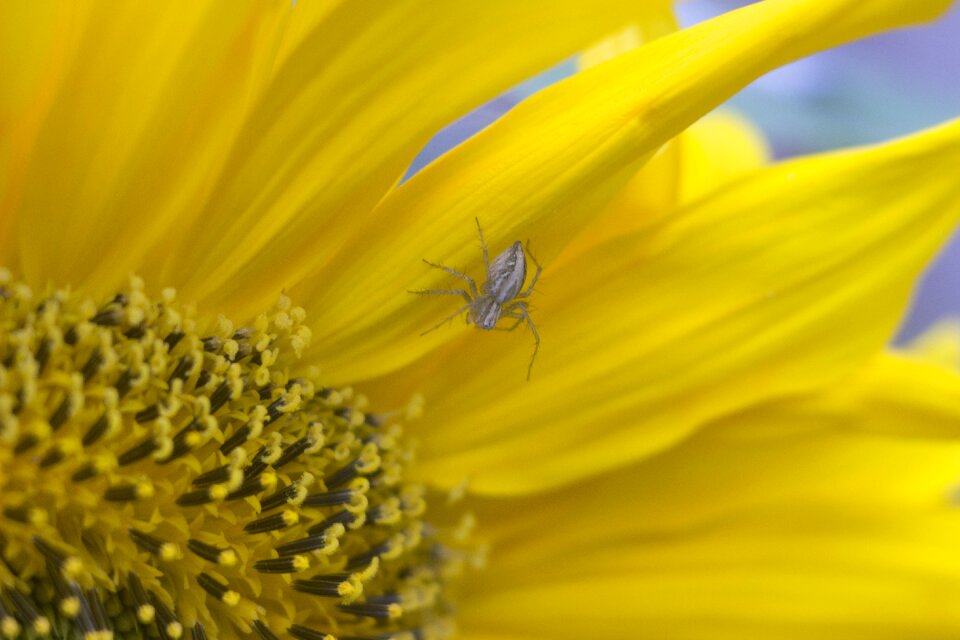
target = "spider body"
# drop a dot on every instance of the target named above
(499, 295)
(505, 276)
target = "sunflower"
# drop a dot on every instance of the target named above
(219, 417)
(799, 518)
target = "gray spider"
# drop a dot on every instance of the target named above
(499, 296)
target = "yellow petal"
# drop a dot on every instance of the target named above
(940, 344)
(897, 394)
(186, 142)
(779, 284)
(544, 169)
(823, 534)
(718, 148)
(715, 150)
(27, 37)
(127, 111)
(347, 113)
(721, 147)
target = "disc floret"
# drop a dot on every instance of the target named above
(164, 477)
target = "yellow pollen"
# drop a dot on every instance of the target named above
(9, 627)
(231, 348)
(144, 489)
(71, 568)
(370, 571)
(146, 614)
(227, 558)
(70, 606)
(348, 588)
(329, 548)
(41, 626)
(168, 475)
(268, 480)
(169, 551)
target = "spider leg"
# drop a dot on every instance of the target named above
(446, 320)
(519, 310)
(462, 276)
(483, 244)
(442, 292)
(536, 276)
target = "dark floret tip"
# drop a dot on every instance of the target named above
(156, 468)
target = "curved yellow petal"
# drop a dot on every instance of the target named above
(190, 142)
(940, 344)
(720, 147)
(129, 109)
(821, 534)
(897, 394)
(778, 284)
(27, 36)
(346, 114)
(542, 171)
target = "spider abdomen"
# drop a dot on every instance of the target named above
(506, 274)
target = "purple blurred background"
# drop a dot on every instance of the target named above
(865, 92)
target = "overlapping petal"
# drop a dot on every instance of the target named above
(733, 311)
(544, 169)
(341, 122)
(940, 344)
(750, 529)
(202, 141)
(775, 285)
(127, 101)
(897, 395)
(715, 150)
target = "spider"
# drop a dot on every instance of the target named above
(498, 297)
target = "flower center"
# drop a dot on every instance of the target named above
(159, 476)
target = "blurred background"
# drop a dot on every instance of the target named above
(864, 92)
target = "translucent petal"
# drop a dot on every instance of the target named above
(776, 285)
(719, 148)
(346, 113)
(544, 169)
(126, 110)
(826, 533)
(216, 145)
